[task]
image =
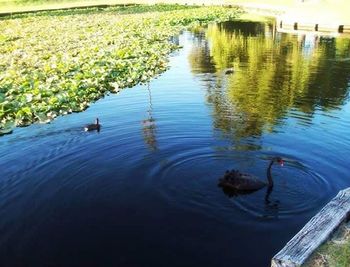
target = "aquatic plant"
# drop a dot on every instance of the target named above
(54, 64)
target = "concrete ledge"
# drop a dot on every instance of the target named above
(307, 26)
(318, 16)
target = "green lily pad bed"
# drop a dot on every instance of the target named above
(55, 63)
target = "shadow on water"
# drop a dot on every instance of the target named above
(270, 207)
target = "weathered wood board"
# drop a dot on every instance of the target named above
(315, 232)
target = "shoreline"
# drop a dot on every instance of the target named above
(291, 16)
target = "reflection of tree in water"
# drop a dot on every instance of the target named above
(149, 126)
(273, 74)
(200, 59)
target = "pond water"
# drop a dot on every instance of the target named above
(143, 191)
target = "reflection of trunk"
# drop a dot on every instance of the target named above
(199, 57)
(149, 126)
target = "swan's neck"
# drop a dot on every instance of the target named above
(269, 176)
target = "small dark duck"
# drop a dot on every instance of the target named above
(229, 71)
(94, 126)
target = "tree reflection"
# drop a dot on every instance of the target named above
(200, 59)
(274, 73)
(149, 125)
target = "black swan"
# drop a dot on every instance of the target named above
(94, 126)
(242, 182)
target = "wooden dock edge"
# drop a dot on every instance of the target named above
(315, 232)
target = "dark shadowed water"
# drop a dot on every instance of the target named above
(143, 191)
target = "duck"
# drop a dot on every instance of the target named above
(229, 71)
(244, 183)
(93, 126)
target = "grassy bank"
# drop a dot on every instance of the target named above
(32, 5)
(27, 5)
(53, 63)
(335, 252)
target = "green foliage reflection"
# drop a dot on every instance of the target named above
(274, 74)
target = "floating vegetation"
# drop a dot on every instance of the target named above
(54, 64)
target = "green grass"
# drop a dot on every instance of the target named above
(25, 5)
(326, 10)
(339, 254)
(331, 254)
(335, 252)
(120, 10)
(255, 17)
(32, 5)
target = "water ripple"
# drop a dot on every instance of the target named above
(188, 180)
(296, 190)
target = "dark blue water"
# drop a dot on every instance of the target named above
(143, 191)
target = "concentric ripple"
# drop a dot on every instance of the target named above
(188, 180)
(297, 190)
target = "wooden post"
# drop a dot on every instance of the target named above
(315, 232)
(295, 25)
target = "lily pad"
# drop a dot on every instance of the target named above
(84, 56)
(7, 128)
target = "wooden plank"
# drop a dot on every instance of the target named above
(346, 29)
(323, 28)
(306, 27)
(315, 232)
